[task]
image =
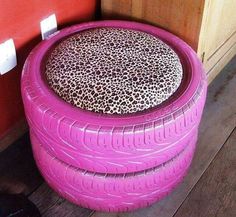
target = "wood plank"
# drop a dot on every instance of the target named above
(17, 168)
(216, 69)
(51, 204)
(219, 53)
(218, 26)
(115, 9)
(215, 193)
(14, 133)
(217, 40)
(218, 121)
(179, 17)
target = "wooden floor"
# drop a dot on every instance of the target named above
(209, 189)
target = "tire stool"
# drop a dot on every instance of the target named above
(114, 109)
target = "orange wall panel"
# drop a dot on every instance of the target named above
(20, 20)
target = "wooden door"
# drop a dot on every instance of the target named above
(217, 44)
(181, 17)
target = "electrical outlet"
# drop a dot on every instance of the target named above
(7, 56)
(48, 26)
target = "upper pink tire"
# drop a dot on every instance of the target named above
(114, 143)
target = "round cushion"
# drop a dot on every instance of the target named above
(113, 70)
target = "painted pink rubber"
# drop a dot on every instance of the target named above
(75, 136)
(112, 193)
(138, 160)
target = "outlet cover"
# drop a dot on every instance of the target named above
(48, 26)
(7, 56)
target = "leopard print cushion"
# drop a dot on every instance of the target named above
(113, 70)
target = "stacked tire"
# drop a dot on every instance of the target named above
(113, 163)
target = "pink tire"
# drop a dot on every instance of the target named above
(96, 142)
(138, 160)
(113, 193)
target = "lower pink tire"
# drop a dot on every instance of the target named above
(112, 193)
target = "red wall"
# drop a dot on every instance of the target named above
(19, 19)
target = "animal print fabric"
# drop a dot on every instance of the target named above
(113, 70)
